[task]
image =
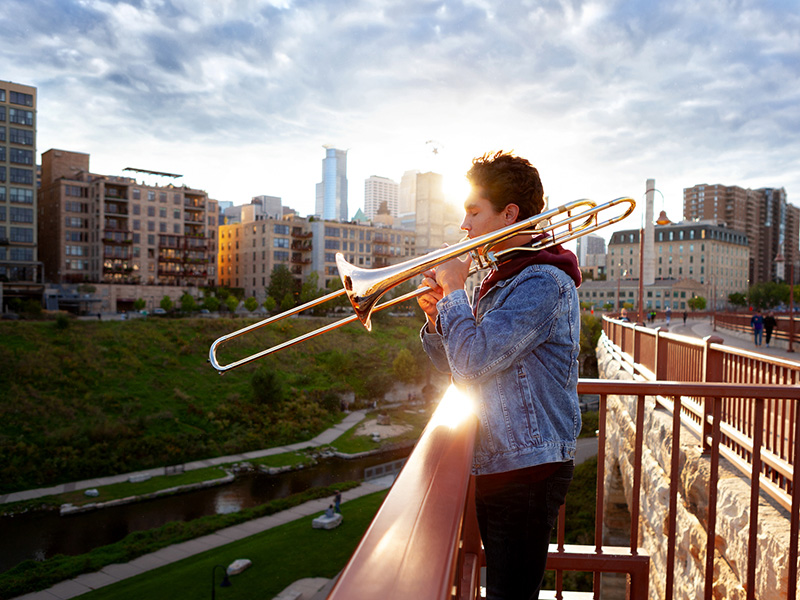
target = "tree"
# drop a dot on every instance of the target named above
(232, 303)
(251, 303)
(270, 304)
(139, 304)
(310, 289)
(697, 303)
(768, 294)
(166, 303)
(737, 299)
(188, 303)
(267, 386)
(211, 303)
(288, 301)
(281, 283)
(404, 366)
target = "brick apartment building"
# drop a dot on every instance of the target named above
(116, 230)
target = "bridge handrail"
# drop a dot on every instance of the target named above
(424, 543)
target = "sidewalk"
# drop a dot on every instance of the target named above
(700, 328)
(114, 573)
(323, 439)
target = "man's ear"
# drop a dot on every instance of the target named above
(510, 213)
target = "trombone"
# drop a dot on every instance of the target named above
(364, 287)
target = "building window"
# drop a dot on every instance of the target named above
(20, 136)
(280, 255)
(281, 230)
(151, 195)
(20, 215)
(20, 98)
(20, 117)
(280, 242)
(21, 196)
(20, 156)
(20, 175)
(22, 234)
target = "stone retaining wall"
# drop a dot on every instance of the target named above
(730, 570)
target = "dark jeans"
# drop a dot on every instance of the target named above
(516, 517)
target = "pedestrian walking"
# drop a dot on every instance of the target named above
(684, 317)
(757, 323)
(769, 324)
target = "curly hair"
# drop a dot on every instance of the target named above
(508, 179)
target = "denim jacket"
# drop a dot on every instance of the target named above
(517, 360)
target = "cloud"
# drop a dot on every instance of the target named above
(606, 88)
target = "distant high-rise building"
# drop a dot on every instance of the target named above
(436, 222)
(770, 223)
(378, 190)
(591, 252)
(19, 267)
(332, 190)
(407, 198)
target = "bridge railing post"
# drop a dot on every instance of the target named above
(712, 371)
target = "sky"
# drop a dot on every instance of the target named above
(240, 96)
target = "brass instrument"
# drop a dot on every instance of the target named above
(364, 287)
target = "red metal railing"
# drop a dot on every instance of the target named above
(741, 322)
(424, 540)
(681, 358)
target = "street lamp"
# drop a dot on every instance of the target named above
(226, 582)
(791, 308)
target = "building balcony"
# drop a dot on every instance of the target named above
(297, 260)
(169, 273)
(170, 259)
(117, 238)
(194, 204)
(302, 246)
(300, 234)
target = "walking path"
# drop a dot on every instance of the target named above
(700, 328)
(323, 439)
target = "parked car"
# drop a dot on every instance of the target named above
(159, 311)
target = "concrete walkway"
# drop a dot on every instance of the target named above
(323, 439)
(114, 573)
(700, 328)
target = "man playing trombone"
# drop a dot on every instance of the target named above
(514, 350)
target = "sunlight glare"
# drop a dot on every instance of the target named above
(453, 408)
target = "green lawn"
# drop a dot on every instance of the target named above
(351, 443)
(280, 556)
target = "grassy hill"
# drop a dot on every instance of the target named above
(88, 398)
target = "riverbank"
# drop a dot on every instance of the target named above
(144, 564)
(323, 439)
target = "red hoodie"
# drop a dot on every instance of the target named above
(555, 255)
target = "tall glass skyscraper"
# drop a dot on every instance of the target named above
(332, 190)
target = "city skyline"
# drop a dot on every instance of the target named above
(240, 98)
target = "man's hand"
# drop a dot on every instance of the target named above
(452, 274)
(427, 302)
